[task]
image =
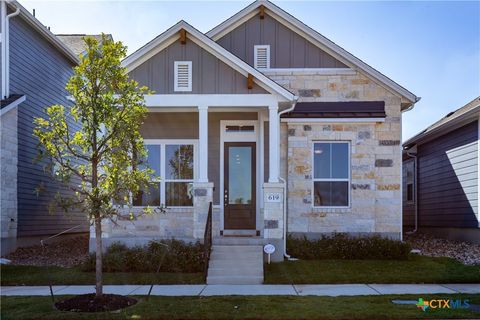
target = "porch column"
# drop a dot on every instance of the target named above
(273, 150)
(203, 143)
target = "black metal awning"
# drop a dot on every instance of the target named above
(345, 109)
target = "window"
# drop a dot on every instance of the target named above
(240, 128)
(183, 76)
(174, 163)
(331, 174)
(409, 180)
(410, 192)
(261, 56)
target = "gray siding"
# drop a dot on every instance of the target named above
(40, 72)
(287, 48)
(184, 125)
(209, 74)
(448, 179)
(408, 206)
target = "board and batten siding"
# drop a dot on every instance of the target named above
(209, 74)
(39, 71)
(448, 179)
(287, 48)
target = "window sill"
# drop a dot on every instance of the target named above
(332, 210)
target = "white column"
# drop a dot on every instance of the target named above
(203, 143)
(273, 149)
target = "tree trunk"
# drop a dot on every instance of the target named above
(98, 254)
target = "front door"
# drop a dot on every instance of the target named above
(239, 185)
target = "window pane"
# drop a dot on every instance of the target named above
(410, 192)
(153, 158)
(321, 158)
(340, 160)
(179, 162)
(239, 175)
(149, 198)
(177, 194)
(331, 194)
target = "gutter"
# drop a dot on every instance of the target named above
(285, 254)
(7, 49)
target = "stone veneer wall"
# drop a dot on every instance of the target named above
(8, 180)
(375, 159)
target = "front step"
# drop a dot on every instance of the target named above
(242, 241)
(235, 264)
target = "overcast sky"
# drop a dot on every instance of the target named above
(430, 48)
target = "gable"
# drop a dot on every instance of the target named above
(210, 75)
(288, 49)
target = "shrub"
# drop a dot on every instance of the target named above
(179, 257)
(342, 246)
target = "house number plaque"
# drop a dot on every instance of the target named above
(273, 197)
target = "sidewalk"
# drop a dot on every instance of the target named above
(250, 290)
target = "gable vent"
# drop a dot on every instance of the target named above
(183, 76)
(262, 57)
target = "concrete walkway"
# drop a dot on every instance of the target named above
(332, 290)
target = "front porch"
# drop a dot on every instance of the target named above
(223, 149)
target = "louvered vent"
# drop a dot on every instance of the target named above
(262, 57)
(183, 76)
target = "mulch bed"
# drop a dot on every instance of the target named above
(465, 252)
(65, 253)
(89, 303)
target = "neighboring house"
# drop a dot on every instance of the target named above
(441, 174)
(76, 43)
(279, 127)
(35, 67)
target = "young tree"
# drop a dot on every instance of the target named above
(99, 161)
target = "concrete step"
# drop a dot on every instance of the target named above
(235, 279)
(234, 264)
(237, 248)
(235, 272)
(239, 241)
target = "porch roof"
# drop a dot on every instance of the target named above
(343, 109)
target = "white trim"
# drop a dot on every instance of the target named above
(176, 86)
(163, 180)
(330, 120)
(12, 105)
(3, 49)
(349, 179)
(310, 71)
(211, 100)
(478, 166)
(147, 51)
(203, 143)
(255, 56)
(311, 35)
(273, 144)
(238, 137)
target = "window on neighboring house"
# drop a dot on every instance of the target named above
(331, 174)
(183, 76)
(174, 163)
(410, 192)
(409, 176)
(261, 56)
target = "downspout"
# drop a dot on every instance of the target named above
(414, 156)
(7, 50)
(3, 15)
(285, 254)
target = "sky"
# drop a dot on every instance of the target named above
(430, 48)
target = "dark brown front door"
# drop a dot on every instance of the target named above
(239, 185)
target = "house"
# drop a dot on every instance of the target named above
(283, 130)
(440, 177)
(35, 66)
(76, 43)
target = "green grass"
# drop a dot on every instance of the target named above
(27, 275)
(417, 269)
(247, 307)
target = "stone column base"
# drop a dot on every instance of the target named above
(273, 217)
(202, 196)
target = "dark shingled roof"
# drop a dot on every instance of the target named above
(5, 102)
(346, 109)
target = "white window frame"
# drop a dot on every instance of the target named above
(163, 143)
(255, 55)
(349, 179)
(175, 76)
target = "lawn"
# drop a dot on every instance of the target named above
(248, 307)
(417, 269)
(27, 275)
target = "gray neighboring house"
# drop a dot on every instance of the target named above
(441, 175)
(282, 130)
(76, 43)
(35, 66)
